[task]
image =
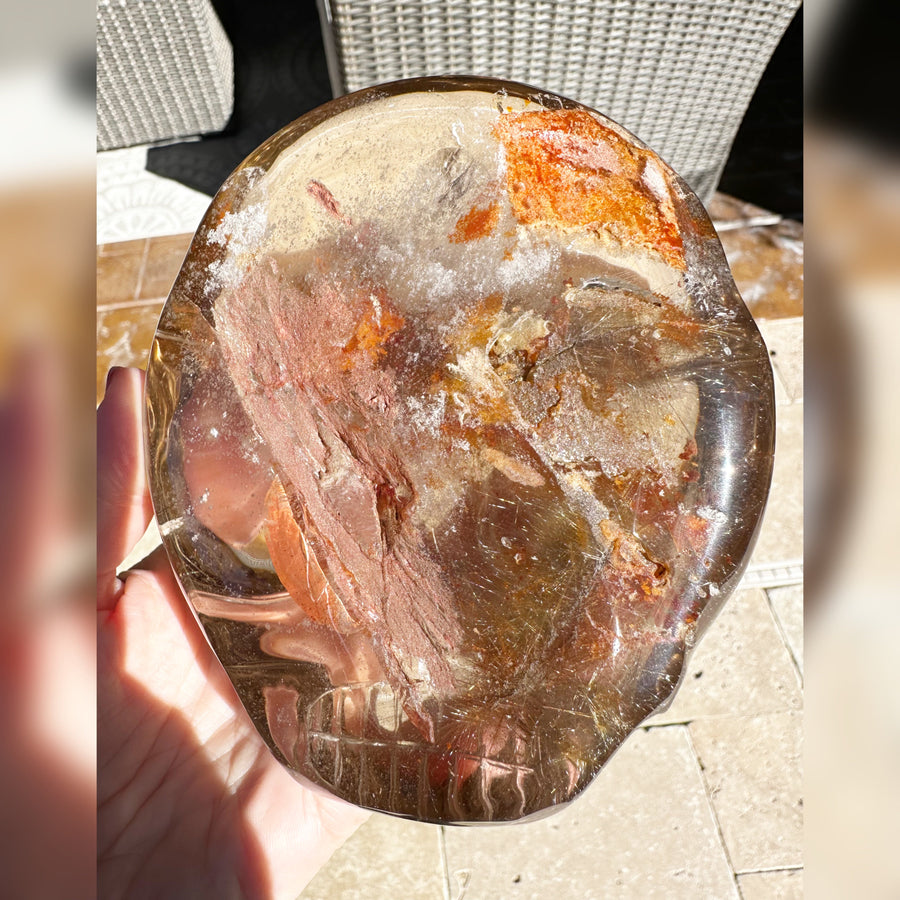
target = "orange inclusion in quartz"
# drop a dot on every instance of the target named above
(564, 168)
(374, 329)
(296, 566)
(630, 563)
(478, 222)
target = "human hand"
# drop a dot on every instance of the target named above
(191, 802)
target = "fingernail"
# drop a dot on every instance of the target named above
(112, 373)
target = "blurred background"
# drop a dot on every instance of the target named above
(852, 162)
(851, 213)
(47, 499)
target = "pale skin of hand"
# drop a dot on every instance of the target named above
(191, 803)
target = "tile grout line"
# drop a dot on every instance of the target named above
(712, 809)
(782, 634)
(445, 866)
(796, 317)
(129, 304)
(798, 868)
(140, 279)
(765, 575)
(701, 717)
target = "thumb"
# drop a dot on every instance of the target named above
(123, 500)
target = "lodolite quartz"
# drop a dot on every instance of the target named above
(459, 435)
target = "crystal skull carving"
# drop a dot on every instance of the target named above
(459, 434)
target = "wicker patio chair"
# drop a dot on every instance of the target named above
(164, 70)
(677, 73)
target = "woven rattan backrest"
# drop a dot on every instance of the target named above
(677, 73)
(163, 70)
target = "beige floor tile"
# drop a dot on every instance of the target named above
(786, 884)
(123, 248)
(164, 258)
(787, 603)
(119, 271)
(781, 534)
(386, 859)
(740, 667)
(784, 338)
(644, 829)
(767, 264)
(752, 767)
(729, 212)
(124, 337)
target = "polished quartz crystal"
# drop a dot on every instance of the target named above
(459, 435)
